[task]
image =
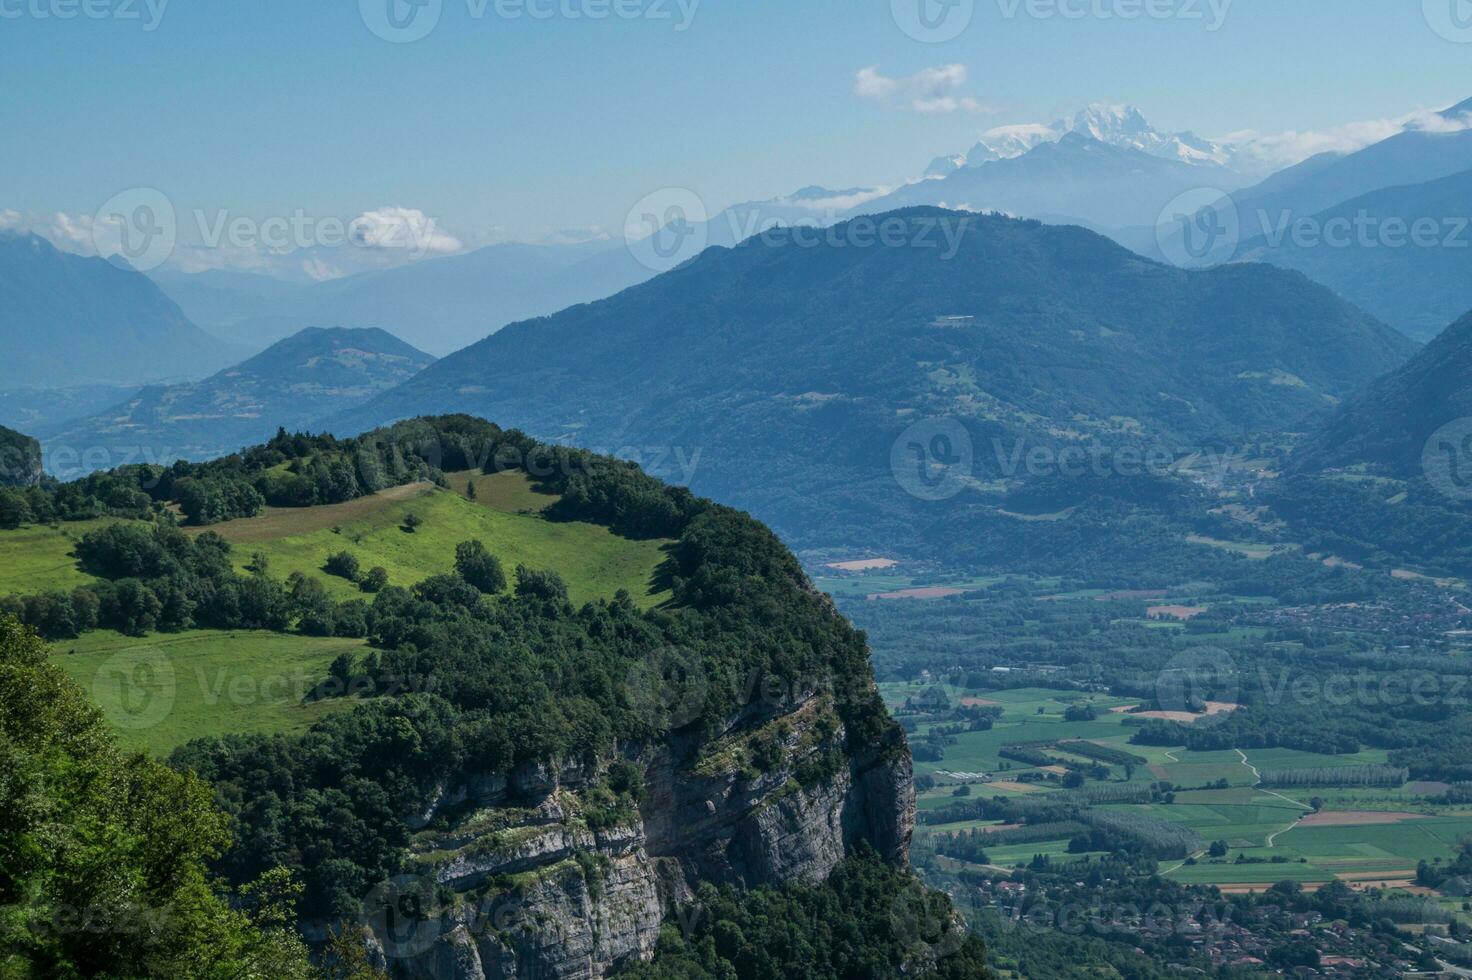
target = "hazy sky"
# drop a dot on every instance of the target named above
(498, 122)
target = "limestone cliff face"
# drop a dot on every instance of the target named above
(518, 877)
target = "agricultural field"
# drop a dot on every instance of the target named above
(864, 585)
(594, 561)
(1370, 837)
(162, 691)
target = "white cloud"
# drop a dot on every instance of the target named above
(836, 203)
(71, 233)
(1272, 151)
(402, 228)
(930, 91)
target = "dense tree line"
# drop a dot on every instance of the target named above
(868, 921)
(466, 678)
(104, 858)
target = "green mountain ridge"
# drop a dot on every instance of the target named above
(550, 787)
(1387, 425)
(293, 384)
(792, 368)
(1417, 284)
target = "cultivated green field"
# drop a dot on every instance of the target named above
(1260, 825)
(158, 693)
(858, 585)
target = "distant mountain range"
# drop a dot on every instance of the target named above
(41, 411)
(1414, 156)
(68, 320)
(1104, 167)
(1074, 179)
(439, 305)
(1402, 253)
(1389, 426)
(789, 373)
(1379, 178)
(295, 383)
(1386, 479)
(1121, 126)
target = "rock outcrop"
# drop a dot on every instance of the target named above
(20, 459)
(523, 877)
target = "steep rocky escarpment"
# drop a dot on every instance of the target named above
(524, 887)
(517, 786)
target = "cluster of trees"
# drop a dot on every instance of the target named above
(867, 920)
(104, 870)
(291, 470)
(469, 673)
(1368, 775)
(157, 578)
(1137, 830)
(1104, 753)
(1343, 517)
(1435, 874)
(1115, 913)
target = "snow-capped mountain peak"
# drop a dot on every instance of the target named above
(1117, 125)
(945, 166)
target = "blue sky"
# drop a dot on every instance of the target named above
(520, 126)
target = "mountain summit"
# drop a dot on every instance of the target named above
(1122, 126)
(292, 384)
(813, 357)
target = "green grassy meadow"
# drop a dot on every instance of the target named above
(594, 561)
(164, 690)
(39, 558)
